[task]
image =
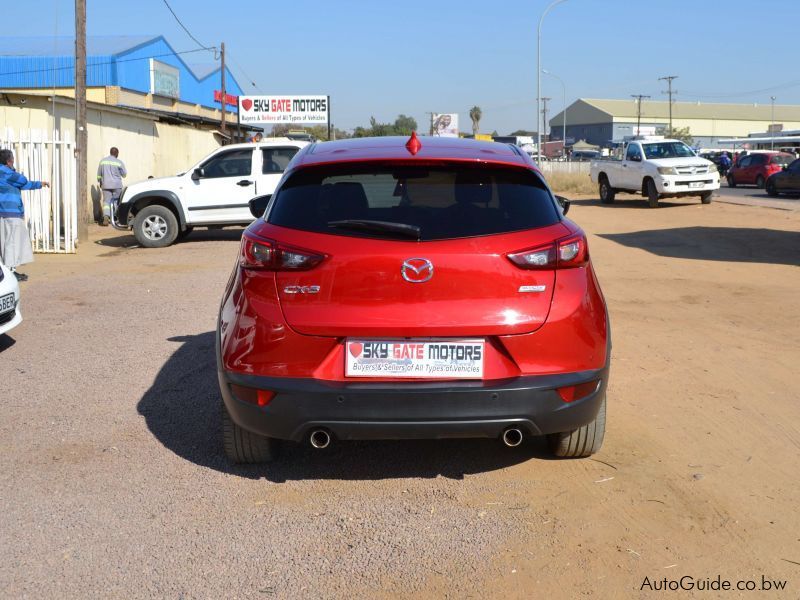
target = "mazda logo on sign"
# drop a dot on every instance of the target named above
(417, 270)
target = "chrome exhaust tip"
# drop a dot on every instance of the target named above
(512, 437)
(320, 439)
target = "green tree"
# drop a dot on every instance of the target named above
(677, 133)
(475, 113)
(404, 125)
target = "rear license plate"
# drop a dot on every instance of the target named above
(695, 184)
(6, 303)
(451, 359)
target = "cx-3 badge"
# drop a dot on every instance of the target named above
(417, 270)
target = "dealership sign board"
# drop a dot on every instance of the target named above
(165, 80)
(259, 110)
(445, 125)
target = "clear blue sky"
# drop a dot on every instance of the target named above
(378, 58)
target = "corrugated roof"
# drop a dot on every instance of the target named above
(103, 45)
(203, 70)
(696, 110)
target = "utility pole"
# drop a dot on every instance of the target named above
(639, 98)
(544, 116)
(81, 135)
(430, 132)
(223, 126)
(669, 91)
(772, 127)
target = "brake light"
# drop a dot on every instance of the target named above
(571, 393)
(268, 255)
(563, 254)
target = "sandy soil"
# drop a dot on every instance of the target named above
(114, 484)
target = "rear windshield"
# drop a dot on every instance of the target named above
(781, 159)
(440, 202)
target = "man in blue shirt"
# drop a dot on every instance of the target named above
(15, 244)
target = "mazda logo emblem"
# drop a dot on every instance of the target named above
(417, 270)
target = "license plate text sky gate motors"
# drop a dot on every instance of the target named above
(412, 288)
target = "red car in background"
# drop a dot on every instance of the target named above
(755, 168)
(420, 288)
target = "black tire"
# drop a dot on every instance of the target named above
(705, 197)
(182, 235)
(155, 226)
(583, 441)
(731, 181)
(244, 447)
(771, 189)
(760, 182)
(651, 191)
(607, 193)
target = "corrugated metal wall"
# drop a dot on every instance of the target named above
(53, 71)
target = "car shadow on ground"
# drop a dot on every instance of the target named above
(769, 246)
(633, 202)
(6, 341)
(182, 410)
(232, 234)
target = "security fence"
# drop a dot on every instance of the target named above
(50, 213)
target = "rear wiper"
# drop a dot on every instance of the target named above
(403, 229)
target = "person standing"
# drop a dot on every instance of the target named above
(110, 172)
(15, 243)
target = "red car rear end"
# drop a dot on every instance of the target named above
(393, 290)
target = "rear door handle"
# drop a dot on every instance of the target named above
(244, 182)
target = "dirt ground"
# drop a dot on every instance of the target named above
(114, 485)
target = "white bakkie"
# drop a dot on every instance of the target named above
(213, 193)
(656, 168)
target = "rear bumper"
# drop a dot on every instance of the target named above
(360, 411)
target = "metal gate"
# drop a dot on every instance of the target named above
(50, 213)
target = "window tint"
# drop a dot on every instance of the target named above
(667, 150)
(758, 159)
(444, 202)
(277, 159)
(633, 150)
(781, 159)
(745, 162)
(236, 163)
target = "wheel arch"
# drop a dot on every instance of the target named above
(165, 198)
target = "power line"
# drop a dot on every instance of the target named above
(108, 62)
(246, 76)
(189, 33)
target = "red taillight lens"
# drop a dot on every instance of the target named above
(252, 395)
(576, 392)
(563, 254)
(267, 255)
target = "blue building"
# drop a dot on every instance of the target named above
(142, 72)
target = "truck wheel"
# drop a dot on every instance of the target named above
(155, 226)
(705, 197)
(244, 447)
(652, 193)
(760, 182)
(607, 193)
(583, 441)
(731, 181)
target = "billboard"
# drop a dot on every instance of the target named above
(165, 80)
(271, 110)
(445, 124)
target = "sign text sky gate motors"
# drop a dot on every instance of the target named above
(255, 110)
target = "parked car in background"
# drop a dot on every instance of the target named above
(756, 168)
(584, 155)
(10, 315)
(213, 193)
(785, 181)
(429, 288)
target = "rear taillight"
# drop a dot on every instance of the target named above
(252, 395)
(562, 254)
(268, 255)
(571, 393)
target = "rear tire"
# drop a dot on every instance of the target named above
(705, 197)
(155, 226)
(760, 182)
(731, 181)
(771, 189)
(244, 447)
(607, 193)
(652, 193)
(583, 441)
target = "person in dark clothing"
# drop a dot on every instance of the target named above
(110, 173)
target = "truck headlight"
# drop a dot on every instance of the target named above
(667, 171)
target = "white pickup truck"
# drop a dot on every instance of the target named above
(656, 168)
(213, 193)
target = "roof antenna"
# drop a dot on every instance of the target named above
(413, 145)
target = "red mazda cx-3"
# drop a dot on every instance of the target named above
(412, 288)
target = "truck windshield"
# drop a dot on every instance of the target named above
(667, 150)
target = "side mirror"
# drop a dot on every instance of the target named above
(258, 205)
(563, 203)
(198, 174)
(636, 158)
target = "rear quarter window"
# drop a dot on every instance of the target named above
(442, 201)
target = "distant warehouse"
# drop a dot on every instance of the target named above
(602, 122)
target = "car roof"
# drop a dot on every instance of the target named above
(266, 143)
(393, 148)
